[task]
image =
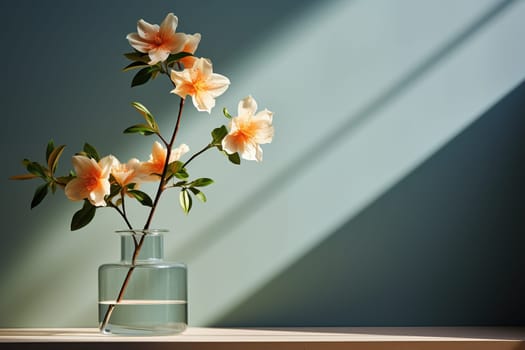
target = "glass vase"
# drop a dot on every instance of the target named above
(142, 294)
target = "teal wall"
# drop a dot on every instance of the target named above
(390, 195)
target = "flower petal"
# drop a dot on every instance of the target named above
(178, 152)
(138, 43)
(146, 30)
(192, 41)
(133, 163)
(247, 106)
(250, 151)
(177, 77)
(264, 115)
(203, 67)
(203, 101)
(262, 122)
(264, 134)
(157, 55)
(258, 153)
(174, 43)
(106, 164)
(96, 196)
(217, 84)
(158, 152)
(83, 164)
(183, 83)
(168, 25)
(75, 190)
(230, 145)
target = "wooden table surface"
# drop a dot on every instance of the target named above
(273, 338)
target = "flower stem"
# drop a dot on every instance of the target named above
(162, 181)
(207, 147)
(122, 213)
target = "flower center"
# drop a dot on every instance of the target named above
(158, 40)
(241, 137)
(91, 180)
(91, 183)
(248, 129)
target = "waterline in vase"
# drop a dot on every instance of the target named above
(142, 302)
(145, 317)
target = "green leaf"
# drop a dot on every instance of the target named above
(142, 197)
(114, 189)
(185, 201)
(137, 56)
(141, 77)
(131, 186)
(36, 169)
(50, 147)
(135, 65)
(23, 177)
(175, 57)
(217, 135)
(39, 195)
(234, 158)
(91, 151)
(53, 158)
(181, 174)
(144, 75)
(180, 183)
(142, 129)
(201, 182)
(146, 114)
(199, 194)
(175, 167)
(84, 216)
(226, 114)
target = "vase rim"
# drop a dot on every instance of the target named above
(139, 231)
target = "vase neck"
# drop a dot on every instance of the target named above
(152, 249)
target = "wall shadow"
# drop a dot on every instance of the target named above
(443, 247)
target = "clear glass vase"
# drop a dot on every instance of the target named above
(144, 295)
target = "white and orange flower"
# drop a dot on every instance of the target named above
(158, 42)
(126, 173)
(91, 181)
(152, 169)
(248, 131)
(200, 83)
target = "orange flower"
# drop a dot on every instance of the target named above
(158, 42)
(192, 41)
(249, 130)
(151, 169)
(126, 173)
(92, 180)
(200, 83)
